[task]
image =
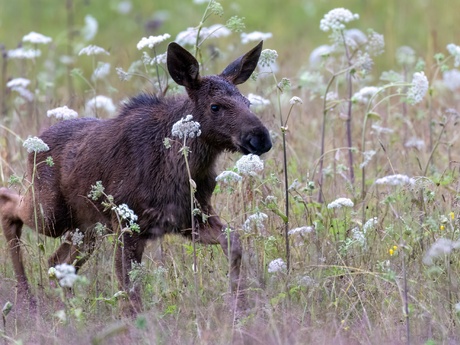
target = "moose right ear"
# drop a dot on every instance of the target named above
(182, 66)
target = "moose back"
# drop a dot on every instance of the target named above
(128, 156)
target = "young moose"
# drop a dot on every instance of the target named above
(128, 156)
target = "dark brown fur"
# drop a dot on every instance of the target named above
(127, 154)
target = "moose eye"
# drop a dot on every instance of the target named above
(215, 108)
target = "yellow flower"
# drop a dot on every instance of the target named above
(395, 247)
(442, 227)
(391, 251)
(452, 215)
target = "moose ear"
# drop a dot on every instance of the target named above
(241, 69)
(182, 66)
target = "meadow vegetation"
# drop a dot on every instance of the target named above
(350, 224)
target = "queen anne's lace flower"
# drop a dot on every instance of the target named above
(18, 82)
(35, 144)
(36, 38)
(395, 180)
(64, 113)
(152, 41)
(335, 19)
(364, 95)
(454, 50)
(100, 103)
(301, 230)
(415, 142)
(228, 177)
(418, 89)
(255, 36)
(186, 128)
(250, 165)
(451, 79)
(267, 57)
(376, 43)
(93, 50)
(441, 247)
(125, 213)
(341, 202)
(255, 220)
(277, 265)
(258, 102)
(295, 100)
(101, 71)
(188, 37)
(65, 274)
(23, 53)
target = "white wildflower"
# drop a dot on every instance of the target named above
(36, 38)
(335, 19)
(365, 94)
(367, 157)
(363, 62)
(65, 274)
(405, 56)
(370, 223)
(93, 50)
(267, 57)
(258, 102)
(441, 247)
(318, 54)
(331, 96)
(454, 50)
(359, 236)
(124, 7)
(415, 142)
(301, 230)
(100, 103)
(308, 281)
(255, 36)
(152, 41)
(381, 130)
(102, 71)
(186, 128)
(89, 31)
(294, 185)
(18, 82)
(395, 180)
(24, 93)
(124, 76)
(255, 220)
(125, 213)
(355, 38)
(418, 89)
(35, 144)
(451, 79)
(340, 202)
(159, 59)
(189, 36)
(277, 265)
(295, 100)
(64, 113)
(228, 177)
(23, 53)
(250, 165)
(376, 43)
(77, 237)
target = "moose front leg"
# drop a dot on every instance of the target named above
(215, 232)
(129, 252)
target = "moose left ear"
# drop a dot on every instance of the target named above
(241, 69)
(182, 66)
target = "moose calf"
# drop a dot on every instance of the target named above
(128, 156)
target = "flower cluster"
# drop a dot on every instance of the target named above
(20, 86)
(250, 165)
(365, 94)
(375, 43)
(418, 89)
(152, 41)
(100, 103)
(255, 220)
(301, 230)
(454, 50)
(255, 36)
(277, 265)
(23, 53)
(295, 100)
(125, 213)
(102, 70)
(186, 128)
(228, 177)
(93, 50)
(267, 57)
(340, 202)
(415, 142)
(258, 102)
(451, 79)
(36, 38)
(442, 246)
(64, 113)
(35, 144)
(395, 180)
(367, 157)
(335, 19)
(64, 273)
(77, 237)
(189, 36)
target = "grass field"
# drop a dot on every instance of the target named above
(372, 166)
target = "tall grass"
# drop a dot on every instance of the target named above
(379, 267)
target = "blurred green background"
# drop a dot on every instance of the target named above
(425, 25)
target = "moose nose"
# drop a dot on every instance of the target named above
(258, 142)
